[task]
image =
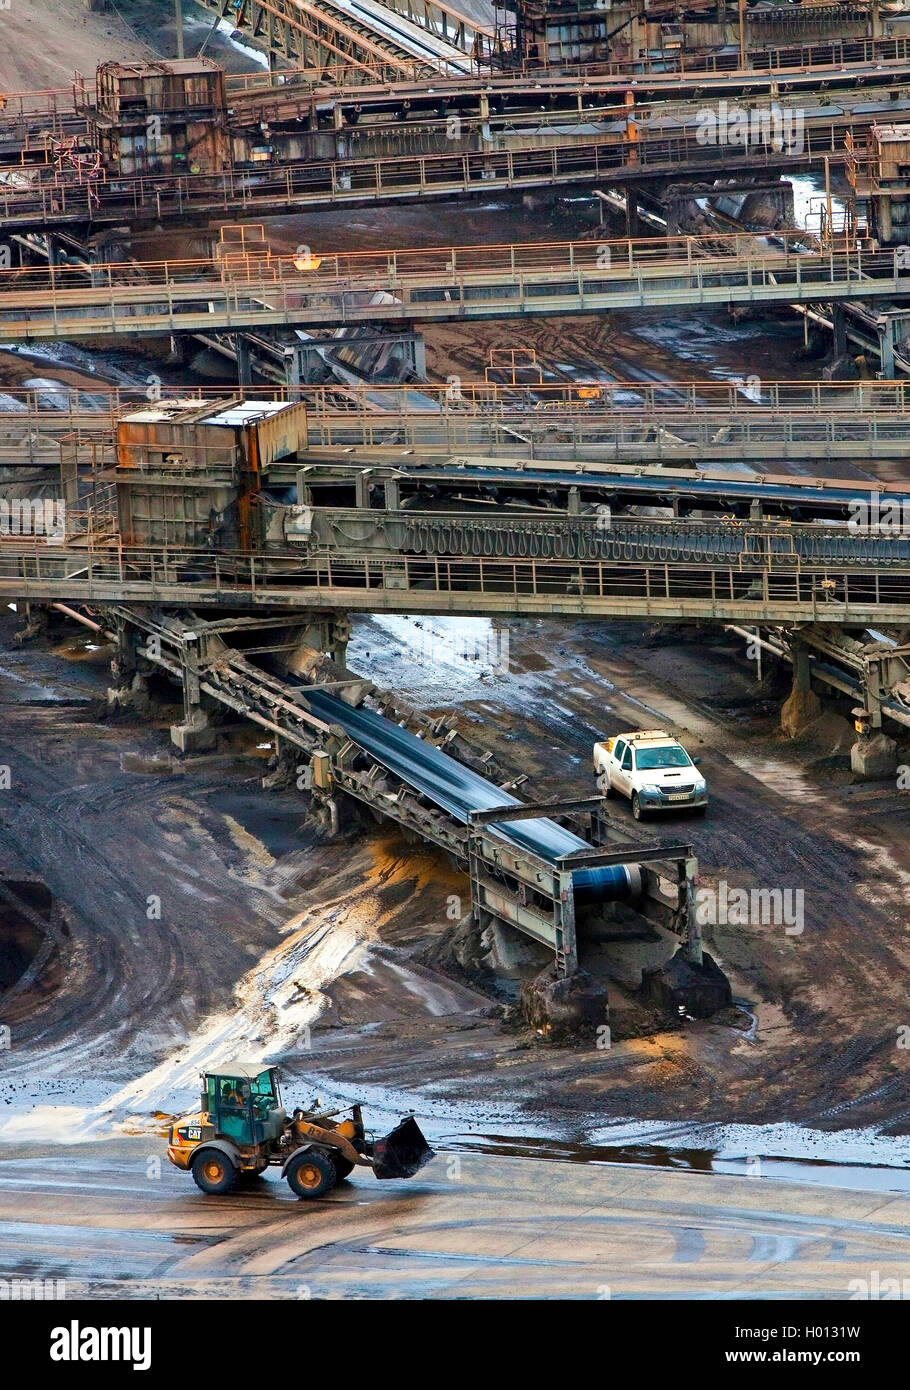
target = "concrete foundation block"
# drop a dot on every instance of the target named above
(194, 735)
(800, 709)
(873, 758)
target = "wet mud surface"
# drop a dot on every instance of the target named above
(166, 916)
(207, 917)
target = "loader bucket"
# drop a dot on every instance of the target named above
(402, 1152)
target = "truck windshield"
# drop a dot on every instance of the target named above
(648, 759)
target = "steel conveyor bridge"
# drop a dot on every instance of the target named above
(31, 122)
(429, 286)
(551, 159)
(351, 561)
(460, 792)
(398, 34)
(303, 34)
(424, 427)
(526, 869)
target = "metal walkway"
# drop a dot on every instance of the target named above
(424, 427)
(285, 28)
(681, 423)
(385, 84)
(581, 158)
(430, 286)
(525, 868)
(747, 572)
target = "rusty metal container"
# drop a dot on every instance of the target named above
(188, 470)
(161, 118)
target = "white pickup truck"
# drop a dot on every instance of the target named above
(651, 768)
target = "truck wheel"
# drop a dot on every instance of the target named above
(637, 811)
(213, 1172)
(311, 1174)
(343, 1167)
(604, 786)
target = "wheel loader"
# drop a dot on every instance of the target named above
(242, 1128)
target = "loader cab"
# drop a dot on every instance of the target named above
(244, 1104)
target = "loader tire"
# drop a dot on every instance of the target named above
(214, 1173)
(311, 1174)
(343, 1167)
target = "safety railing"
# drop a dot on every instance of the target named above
(396, 269)
(434, 286)
(831, 55)
(628, 435)
(312, 266)
(50, 101)
(95, 522)
(349, 179)
(463, 411)
(749, 397)
(408, 584)
(828, 58)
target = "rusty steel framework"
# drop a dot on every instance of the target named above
(510, 881)
(349, 180)
(318, 34)
(765, 583)
(446, 23)
(569, 32)
(439, 284)
(684, 423)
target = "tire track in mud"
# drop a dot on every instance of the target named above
(770, 825)
(125, 971)
(115, 830)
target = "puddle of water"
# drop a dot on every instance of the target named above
(851, 1176)
(859, 1160)
(436, 659)
(36, 691)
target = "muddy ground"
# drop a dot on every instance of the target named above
(204, 916)
(43, 42)
(108, 1222)
(197, 914)
(273, 939)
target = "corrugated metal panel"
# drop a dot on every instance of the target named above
(281, 434)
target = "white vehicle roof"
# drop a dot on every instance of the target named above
(649, 736)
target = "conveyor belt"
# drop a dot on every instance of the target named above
(458, 791)
(814, 496)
